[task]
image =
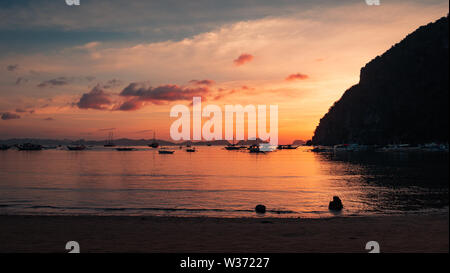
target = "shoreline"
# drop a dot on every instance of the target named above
(170, 234)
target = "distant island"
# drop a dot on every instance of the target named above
(299, 142)
(118, 142)
(129, 142)
(402, 96)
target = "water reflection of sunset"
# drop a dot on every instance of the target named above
(216, 182)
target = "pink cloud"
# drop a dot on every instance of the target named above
(298, 76)
(243, 59)
(139, 94)
(163, 93)
(130, 105)
(95, 99)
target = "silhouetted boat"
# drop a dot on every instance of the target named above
(286, 147)
(191, 150)
(29, 147)
(154, 144)
(125, 149)
(76, 147)
(110, 140)
(232, 147)
(255, 149)
(4, 147)
(162, 151)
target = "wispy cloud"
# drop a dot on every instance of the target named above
(21, 80)
(12, 67)
(112, 83)
(60, 81)
(202, 82)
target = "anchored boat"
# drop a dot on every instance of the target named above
(154, 144)
(29, 147)
(76, 147)
(110, 140)
(162, 151)
(124, 149)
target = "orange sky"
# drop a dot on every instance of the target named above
(302, 61)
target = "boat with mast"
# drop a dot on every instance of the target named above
(110, 140)
(154, 143)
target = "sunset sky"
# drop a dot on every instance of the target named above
(77, 71)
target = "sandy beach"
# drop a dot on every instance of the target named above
(412, 233)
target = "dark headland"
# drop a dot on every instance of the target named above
(402, 96)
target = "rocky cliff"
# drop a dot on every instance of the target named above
(402, 96)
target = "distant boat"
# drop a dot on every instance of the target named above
(4, 147)
(286, 147)
(232, 147)
(110, 140)
(125, 149)
(29, 147)
(76, 147)
(191, 150)
(163, 151)
(50, 147)
(154, 144)
(255, 149)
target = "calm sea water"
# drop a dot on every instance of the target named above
(220, 183)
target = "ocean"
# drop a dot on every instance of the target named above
(214, 182)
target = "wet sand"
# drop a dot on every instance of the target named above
(412, 233)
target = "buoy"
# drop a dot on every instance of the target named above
(260, 209)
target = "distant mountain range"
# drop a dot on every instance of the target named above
(118, 142)
(402, 96)
(130, 142)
